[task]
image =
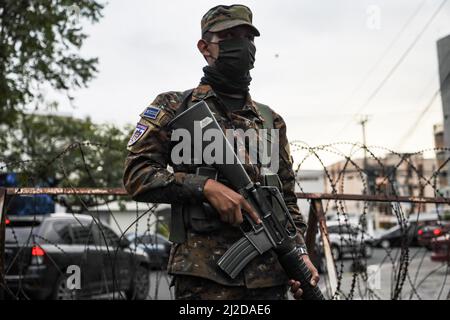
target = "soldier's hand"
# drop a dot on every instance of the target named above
(295, 289)
(228, 203)
(295, 285)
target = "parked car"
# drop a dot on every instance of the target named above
(441, 248)
(39, 250)
(155, 245)
(347, 239)
(426, 233)
(394, 236)
(409, 232)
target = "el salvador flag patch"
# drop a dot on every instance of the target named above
(151, 112)
(137, 134)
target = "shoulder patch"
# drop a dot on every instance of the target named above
(156, 115)
(151, 112)
(137, 134)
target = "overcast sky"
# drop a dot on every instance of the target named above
(313, 64)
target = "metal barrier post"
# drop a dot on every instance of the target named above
(329, 260)
(311, 232)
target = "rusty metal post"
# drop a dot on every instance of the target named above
(311, 231)
(2, 242)
(329, 261)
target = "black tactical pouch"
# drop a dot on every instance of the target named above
(177, 224)
(273, 180)
(203, 218)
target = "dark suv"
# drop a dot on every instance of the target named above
(42, 254)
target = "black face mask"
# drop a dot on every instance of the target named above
(236, 57)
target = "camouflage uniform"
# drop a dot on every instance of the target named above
(147, 179)
(193, 288)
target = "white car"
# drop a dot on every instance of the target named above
(347, 239)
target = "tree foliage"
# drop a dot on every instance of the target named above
(39, 49)
(40, 42)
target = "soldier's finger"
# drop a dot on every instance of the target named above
(230, 216)
(295, 286)
(238, 216)
(315, 278)
(298, 294)
(247, 207)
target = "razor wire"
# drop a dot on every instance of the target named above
(407, 268)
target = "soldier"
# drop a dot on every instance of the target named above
(202, 236)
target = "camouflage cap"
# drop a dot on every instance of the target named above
(225, 17)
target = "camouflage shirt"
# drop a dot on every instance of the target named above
(148, 179)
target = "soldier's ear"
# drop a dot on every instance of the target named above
(202, 46)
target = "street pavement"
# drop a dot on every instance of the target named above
(424, 280)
